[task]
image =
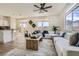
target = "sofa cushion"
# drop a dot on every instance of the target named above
(36, 32)
(58, 38)
(77, 45)
(60, 44)
(45, 32)
(51, 32)
(61, 33)
(73, 39)
(67, 36)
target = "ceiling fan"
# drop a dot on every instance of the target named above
(42, 7)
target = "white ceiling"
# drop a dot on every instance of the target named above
(26, 9)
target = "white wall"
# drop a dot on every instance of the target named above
(53, 21)
(61, 16)
(13, 23)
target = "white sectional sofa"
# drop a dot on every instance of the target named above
(49, 34)
(63, 47)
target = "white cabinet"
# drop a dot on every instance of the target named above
(5, 36)
(4, 21)
(1, 21)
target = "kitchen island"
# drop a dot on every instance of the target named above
(5, 36)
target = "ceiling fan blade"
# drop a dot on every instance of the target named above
(36, 6)
(48, 7)
(42, 5)
(44, 10)
(37, 10)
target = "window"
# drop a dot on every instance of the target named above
(69, 22)
(42, 24)
(23, 24)
(39, 24)
(45, 24)
(76, 19)
(72, 20)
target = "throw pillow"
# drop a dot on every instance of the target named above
(63, 35)
(74, 39)
(26, 35)
(78, 41)
(77, 45)
(34, 36)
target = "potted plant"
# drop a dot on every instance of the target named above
(55, 28)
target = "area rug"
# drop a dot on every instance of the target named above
(46, 48)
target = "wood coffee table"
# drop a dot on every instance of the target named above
(33, 43)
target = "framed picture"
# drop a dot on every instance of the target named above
(30, 22)
(33, 25)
